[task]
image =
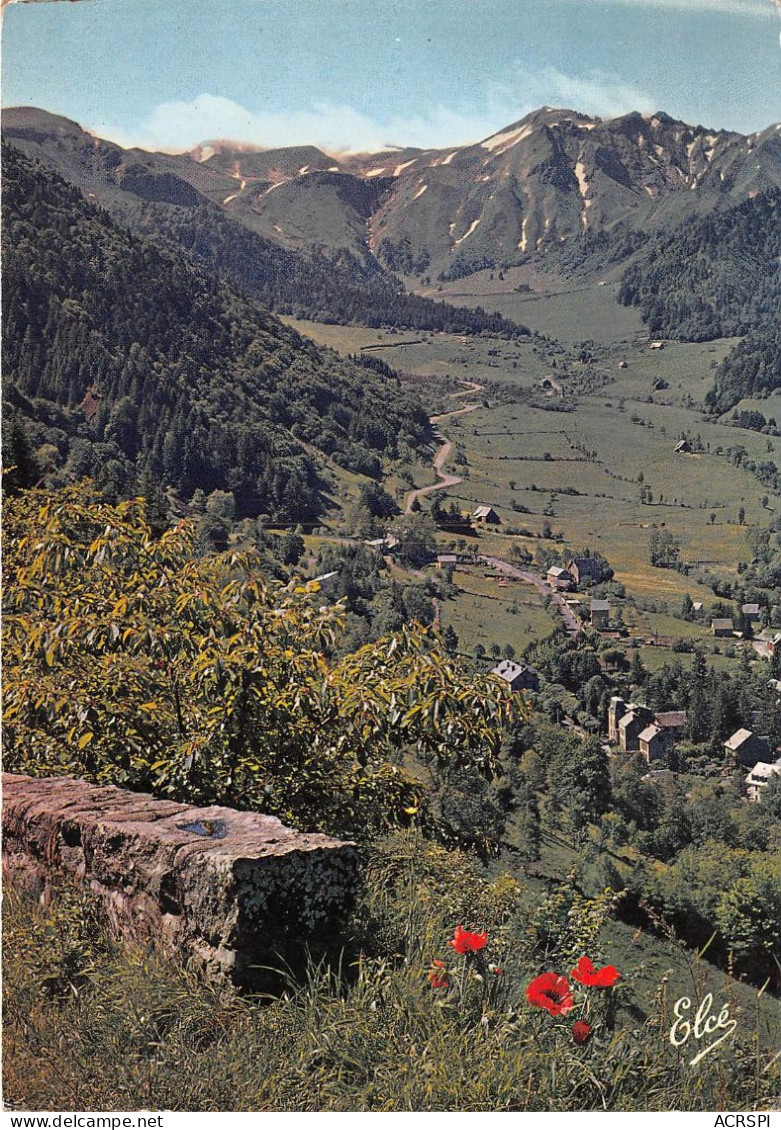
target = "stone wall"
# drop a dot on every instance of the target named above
(232, 890)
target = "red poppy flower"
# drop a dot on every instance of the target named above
(585, 973)
(581, 1031)
(551, 992)
(438, 978)
(463, 941)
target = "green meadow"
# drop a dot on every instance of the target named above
(603, 472)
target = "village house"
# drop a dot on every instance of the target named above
(722, 627)
(518, 676)
(559, 578)
(388, 543)
(486, 514)
(628, 723)
(751, 611)
(683, 447)
(615, 711)
(766, 642)
(631, 726)
(672, 723)
(600, 614)
(653, 743)
(746, 748)
(585, 569)
(446, 561)
(760, 777)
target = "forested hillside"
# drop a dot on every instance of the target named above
(191, 383)
(752, 368)
(716, 277)
(322, 286)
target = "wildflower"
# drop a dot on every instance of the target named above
(552, 992)
(585, 973)
(464, 941)
(581, 1031)
(438, 978)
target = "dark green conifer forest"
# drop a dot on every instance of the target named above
(192, 383)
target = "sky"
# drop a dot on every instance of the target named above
(364, 74)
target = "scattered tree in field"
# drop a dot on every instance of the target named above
(664, 550)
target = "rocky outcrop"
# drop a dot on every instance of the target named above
(234, 891)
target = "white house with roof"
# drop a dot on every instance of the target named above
(760, 776)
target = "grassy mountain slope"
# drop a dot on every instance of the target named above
(196, 384)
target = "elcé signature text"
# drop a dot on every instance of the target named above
(703, 1024)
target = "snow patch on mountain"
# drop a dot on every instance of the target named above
(582, 179)
(468, 232)
(507, 139)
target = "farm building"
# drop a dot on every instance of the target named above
(446, 561)
(722, 627)
(600, 614)
(486, 514)
(745, 747)
(559, 578)
(760, 776)
(751, 611)
(657, 345)
(683, 447)
(518, 676)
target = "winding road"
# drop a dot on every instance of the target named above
(571, 621)
(444, 479)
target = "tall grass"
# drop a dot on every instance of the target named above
(94, 1024)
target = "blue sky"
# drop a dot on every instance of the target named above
(360, 74)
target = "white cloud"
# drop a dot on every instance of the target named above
(335, 127)
(331, 126)
(185, 124)
(596, 92)
(752, 8)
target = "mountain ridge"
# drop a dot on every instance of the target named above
(543, 180)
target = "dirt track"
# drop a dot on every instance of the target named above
(444, 479)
